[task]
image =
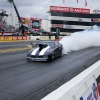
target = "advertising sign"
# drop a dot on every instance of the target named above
(93, 92)
(69, 9)
(19, 37)
(95, 20)
(36, 23)
(96, 11)
(57, 25)
(98, 84)
(0, 26)
(1, 38)
(69, 26)
(24, 20)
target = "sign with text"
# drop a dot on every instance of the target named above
(57, 25)
(69, 9)
(95, 20)
(96, 11)
(24, 20)
(69, 26)
(91, 94)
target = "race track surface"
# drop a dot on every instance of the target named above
(22, 80)
(7, 45)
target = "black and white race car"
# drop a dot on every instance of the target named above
(45, 51)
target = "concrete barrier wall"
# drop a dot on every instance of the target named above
(12, 38)
(42, 37)
(85, 86)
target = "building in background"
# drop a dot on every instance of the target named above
(70, 19)
(12, 20)
(45, 25)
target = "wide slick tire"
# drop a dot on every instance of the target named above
(28, 60)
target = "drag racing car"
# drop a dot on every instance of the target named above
(45, 51)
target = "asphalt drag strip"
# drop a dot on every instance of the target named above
(22, 80)
(14, 49)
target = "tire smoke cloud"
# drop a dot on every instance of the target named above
(81, 40)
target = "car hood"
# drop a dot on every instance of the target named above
(44, 51)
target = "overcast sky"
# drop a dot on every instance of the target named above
(38, 8)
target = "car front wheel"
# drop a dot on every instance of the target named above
(28, 60)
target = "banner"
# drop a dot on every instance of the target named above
(91, 93)
(57, 25)
(24, 20)
(69, 9)
(1, 38)
(98, 84)
(14, 38)
(19, 37)
(96, 11)
(95, 20)
(0, 26)
(5, 38)
(7, 33)
(8, 38)
(69, 26)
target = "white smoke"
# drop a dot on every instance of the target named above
(81, 40)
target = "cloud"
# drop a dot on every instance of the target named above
(38, 8)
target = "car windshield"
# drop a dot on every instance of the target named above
(51, 44)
